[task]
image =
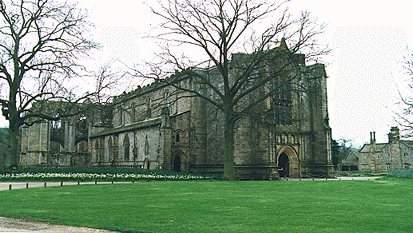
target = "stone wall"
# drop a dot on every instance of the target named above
(159, 126)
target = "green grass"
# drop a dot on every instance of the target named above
(194, 206)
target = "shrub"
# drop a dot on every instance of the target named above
(93, 174)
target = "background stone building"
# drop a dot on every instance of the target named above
(159, 127)
(396, 154)
(350, 161)
(61, 142)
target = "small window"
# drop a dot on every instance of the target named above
(121, 116)
(149, 108)
(56, 124)
(177, 138)
(167, 99)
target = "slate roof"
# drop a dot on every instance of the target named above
(129, 127)
(368, 147)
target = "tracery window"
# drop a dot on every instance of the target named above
(281, 101)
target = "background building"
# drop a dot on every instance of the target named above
(396, 154)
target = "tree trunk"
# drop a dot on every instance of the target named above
(12, 160)
(229, 171)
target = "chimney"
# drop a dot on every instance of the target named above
(372, 137)
(394, 134)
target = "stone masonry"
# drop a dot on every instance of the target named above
(158, 127)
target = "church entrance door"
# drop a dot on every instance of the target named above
(177, 163)
(283, 165)
(288, 162)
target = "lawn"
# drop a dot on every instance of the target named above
(214, 206)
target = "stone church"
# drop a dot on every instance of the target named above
(159, 126)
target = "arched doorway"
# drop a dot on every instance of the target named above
(177, 163)
(146, 164)
(283, 165)
(288, 162)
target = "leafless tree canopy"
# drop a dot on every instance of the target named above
(41, 43)
(405, 117)
(211, 34)
(217, 29)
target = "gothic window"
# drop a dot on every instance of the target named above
(81, 124)
(176, 104)
(177, 138)
(121, 116)
(115, 148)
(82, 147)
(133, 112)
(167, 100)
(149, 108)
(281, 102)
(126, 147)
(110, 146)
(146, 164)
(146, 145)
(56, 124)
(97, 150)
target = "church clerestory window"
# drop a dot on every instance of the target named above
(167, 101)
(149, 108)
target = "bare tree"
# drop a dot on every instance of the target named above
(41, 42)
(218, 29)
(404, 117)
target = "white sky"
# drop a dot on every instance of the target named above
(369, 39)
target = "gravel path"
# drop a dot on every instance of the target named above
(21, 185)
(18, 225)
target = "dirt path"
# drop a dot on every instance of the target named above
(21, 185)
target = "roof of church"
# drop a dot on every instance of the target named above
(129, 127)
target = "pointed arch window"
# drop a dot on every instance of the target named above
(110, 146)
(126, 147)
(146, 145)
(167, 101)
(149, 108)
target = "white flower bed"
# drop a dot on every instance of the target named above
(95, 176)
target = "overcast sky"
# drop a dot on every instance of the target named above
(369, 39)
